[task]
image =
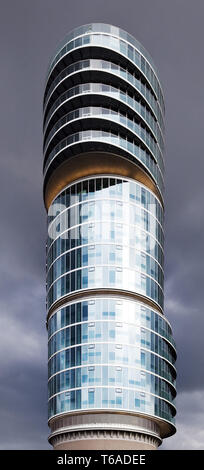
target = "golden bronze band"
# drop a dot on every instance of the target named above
(95, 163)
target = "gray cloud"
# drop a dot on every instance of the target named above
(173, 34)
(190, 432)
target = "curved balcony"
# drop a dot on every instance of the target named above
(101, 140)
(102, 70)
(126, 53)
(97, 118)
(97, 92)
(110, 348)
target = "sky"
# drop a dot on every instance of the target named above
(172, 32)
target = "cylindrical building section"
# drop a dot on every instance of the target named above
(111, 364)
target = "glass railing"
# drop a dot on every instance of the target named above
(109, 114)
(116, 140)
(114, 69)
(115, 93)
(136, 54)
(104, 28)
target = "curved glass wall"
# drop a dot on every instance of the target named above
(113, 375)
(124, 332)
(109, 345)
(119, 350)
(135, 151)
(85, 209)
(110, 398)
(109, 115)
(99, 254)
(113, 92)
(114, 69)
(100, 352)
(134, 54)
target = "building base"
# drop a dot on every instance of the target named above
(104, 431)
(104, 440)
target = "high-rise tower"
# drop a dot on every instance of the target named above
(111, 352)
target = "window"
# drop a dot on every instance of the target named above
(112, 277)
(91, 397)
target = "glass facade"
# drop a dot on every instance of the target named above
(93, 240)
(108, 233)
(134, 83)
(115, 93)
(131, 127)
(110, 347)
(137, 54)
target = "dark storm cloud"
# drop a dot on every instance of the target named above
(173, 34)
(190, 433)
